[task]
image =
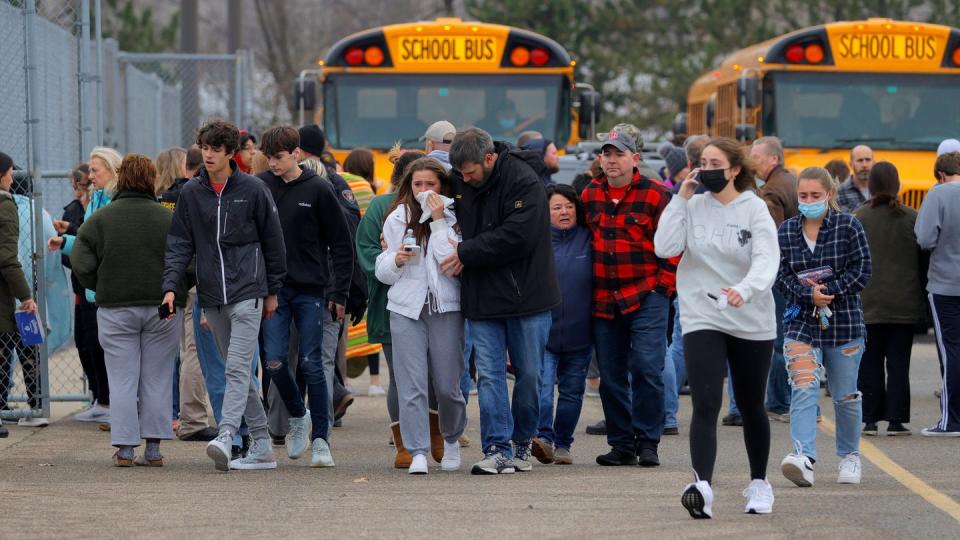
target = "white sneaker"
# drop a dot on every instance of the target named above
(321, 454)
(798, 469)
(94, 414)
(759, 496)
(259, 457)
(375, 390)
(451, 456)
(418, 465)
(697, 498)
(850, 468)
(219, 450)
(298, 437)
(33, 422)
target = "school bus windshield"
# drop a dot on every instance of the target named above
(841, 110)
(378, 110)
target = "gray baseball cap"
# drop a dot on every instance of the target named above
(621, 141)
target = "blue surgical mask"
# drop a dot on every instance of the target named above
(813, 210)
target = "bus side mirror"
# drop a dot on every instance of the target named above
(680, 124)
(748, 92)
(746, 132)
(589, 112)
(305, 94)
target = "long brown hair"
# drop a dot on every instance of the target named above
(405, 195)
(737, 155)
(884, 185)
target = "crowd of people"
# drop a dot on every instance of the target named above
(209, 268)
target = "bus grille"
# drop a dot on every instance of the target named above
(913, 198)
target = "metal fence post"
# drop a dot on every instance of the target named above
(99, 40)
(237, 90)
(83, 66)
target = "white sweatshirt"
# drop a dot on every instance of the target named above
(723, 246)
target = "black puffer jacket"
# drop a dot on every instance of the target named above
(236, 237)
(506, 250)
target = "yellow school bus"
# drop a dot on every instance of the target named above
(891, 85)
(388, 84)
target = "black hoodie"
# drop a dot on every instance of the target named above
(506, 249)
(312, 224)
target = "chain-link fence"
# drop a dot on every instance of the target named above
(63, 91)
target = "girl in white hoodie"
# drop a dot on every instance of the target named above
(426, 326)
(724, 281)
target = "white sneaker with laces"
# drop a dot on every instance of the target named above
(798, 468)
(259, 457)
(321, 454)
(850, 469)
(759, 494)
(418, 465)
(451, 456)
(219, 450)
(37, 421)
(375, 390)
(298, 437)
(93, 414)
(697, 498)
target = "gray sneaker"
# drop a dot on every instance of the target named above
(493, 463)
(259, 457)
(298, 437)
(522, 460)
(321, 454)
(219, 451)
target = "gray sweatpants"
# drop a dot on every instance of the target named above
(235, 328)
(333, 335)
(140, 352)
(431, 347)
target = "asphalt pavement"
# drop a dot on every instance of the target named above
(59, 482)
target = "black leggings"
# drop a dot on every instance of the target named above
(707, 353)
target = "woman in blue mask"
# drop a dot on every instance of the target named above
(824, 264)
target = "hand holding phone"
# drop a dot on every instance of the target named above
(690, 184)
(165, 312)
(412, 250)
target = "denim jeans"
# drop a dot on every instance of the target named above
(778, 384)
(674, 372)
(465, 381)
(306, 311)
(630, 352)
(732, 406)
(214, 368)
(525, 338)
(568, 370)
(805, 365)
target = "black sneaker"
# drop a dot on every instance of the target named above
(235, 452)
(732, 420)
(647, 457)
(3, 432)
(617, 457)
(870, 429)
(897, 429)
(206, 434)
(671, 430)
(278, 441)
(600, 428)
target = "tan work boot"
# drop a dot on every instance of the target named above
(436, 438)
(403, 459)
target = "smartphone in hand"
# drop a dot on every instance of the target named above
(412, 250)
(164, 311)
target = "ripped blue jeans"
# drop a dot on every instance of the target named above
(805, 366)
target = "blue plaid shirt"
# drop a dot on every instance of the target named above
(849, 196)
(842, 246)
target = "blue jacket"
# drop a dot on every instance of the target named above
(571, 329)
(98, 200)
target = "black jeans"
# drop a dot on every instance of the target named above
(89, 350)
(885, 373)
(707, 354)
(10, 342)
(946, 322)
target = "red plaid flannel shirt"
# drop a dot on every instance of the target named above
(625, 267)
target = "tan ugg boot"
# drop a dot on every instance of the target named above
(436, 438)
(403, 459)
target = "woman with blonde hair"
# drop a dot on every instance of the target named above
(824, 264)
(171, 165)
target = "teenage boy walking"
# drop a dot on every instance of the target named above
(228, 221)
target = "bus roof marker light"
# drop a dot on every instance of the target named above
(419, 29)
(475, 28)
(520, 56)
(737, 67)
(794, 54)
(956, 56)
(760, 59)
(446, 27)
(373, 55)
(354, 56)
(539, 57)
(813, 53)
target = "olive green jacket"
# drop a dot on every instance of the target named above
(13, 284)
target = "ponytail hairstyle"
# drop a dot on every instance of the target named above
(884, 187)
(408, 199)
(826, 180)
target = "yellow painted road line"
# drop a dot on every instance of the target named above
(909, 480)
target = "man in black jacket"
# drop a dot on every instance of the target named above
(228, 221)
(508, 287)
(312, 226)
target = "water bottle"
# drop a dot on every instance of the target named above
(409, 239)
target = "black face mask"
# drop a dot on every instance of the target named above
(713, 179)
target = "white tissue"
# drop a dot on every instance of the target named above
(422, 199)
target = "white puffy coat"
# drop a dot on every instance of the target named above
(410, 283)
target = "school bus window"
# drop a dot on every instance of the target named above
(376, 103)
